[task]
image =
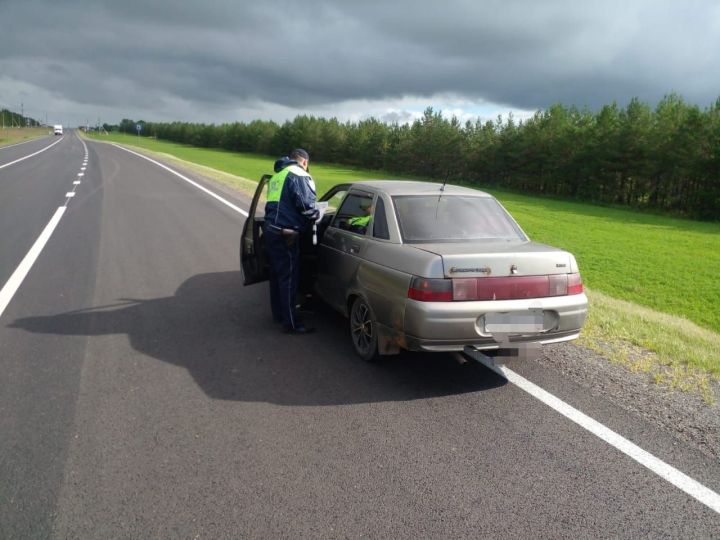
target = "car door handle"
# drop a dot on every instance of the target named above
(354, 248)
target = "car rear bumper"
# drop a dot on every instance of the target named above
(450, 326)
(415, 344)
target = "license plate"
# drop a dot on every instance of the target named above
(521, 322)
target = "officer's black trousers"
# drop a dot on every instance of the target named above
(284, 275)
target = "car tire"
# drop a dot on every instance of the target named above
(363, 330)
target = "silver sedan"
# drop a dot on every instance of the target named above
(431, 267)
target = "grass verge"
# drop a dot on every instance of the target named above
(651, 278)
(10, 136)
(674, 351)
(664, 263)
(251, 166)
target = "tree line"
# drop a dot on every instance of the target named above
(13, 119)
(665, 158)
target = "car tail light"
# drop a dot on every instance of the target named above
(464, 289)
(513, 288)
(557, 285)
(494, 288)
(575, 285)
(431, 290)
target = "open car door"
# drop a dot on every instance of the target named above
(253, 261)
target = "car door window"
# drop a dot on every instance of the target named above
(380, 226)
(355, 214)
(252, 253)
(335, 200)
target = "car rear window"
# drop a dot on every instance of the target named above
(453, 218)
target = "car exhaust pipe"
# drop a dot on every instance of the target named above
(460, 358)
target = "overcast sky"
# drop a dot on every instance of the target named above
(230, 60)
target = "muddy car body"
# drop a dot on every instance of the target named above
(422, 266)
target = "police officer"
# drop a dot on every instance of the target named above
(289, 212)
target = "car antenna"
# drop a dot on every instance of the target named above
(442, 189)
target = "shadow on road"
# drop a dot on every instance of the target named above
(223, 335)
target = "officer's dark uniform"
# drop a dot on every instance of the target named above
(290, 211)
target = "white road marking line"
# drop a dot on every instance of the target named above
(31, 155)
(84, 146)
(81, 174)
(659, 467)
(202, 188)
(18, 144)
(17, 277)
(677, 478)
(70, 194)
(76, 182)
(83, 168)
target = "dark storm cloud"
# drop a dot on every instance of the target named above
(133, 55)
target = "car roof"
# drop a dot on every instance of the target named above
(416, 187)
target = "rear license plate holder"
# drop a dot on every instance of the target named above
(515, 322)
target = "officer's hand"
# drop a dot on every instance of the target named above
(312, 214)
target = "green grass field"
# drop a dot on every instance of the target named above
(251, 166)
(666, 264)
(10, 136)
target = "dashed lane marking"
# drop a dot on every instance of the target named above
(17, 277)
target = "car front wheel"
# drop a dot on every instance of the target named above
(363, 330)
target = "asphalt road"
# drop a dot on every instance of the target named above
(144, 392)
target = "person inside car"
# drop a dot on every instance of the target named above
(360, 224)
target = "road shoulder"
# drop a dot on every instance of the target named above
(684, 415)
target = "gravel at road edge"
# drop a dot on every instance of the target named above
(685, 415)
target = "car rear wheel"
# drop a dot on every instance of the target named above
(363, 330)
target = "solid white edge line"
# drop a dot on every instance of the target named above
(677, 478)
(24, 142)
(671, 474)
(17, 277)
(202, 188)
(31, 155)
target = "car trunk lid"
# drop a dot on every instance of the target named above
(485, 259)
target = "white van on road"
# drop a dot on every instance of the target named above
(58, 129)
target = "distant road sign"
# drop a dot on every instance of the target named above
(138, 127)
